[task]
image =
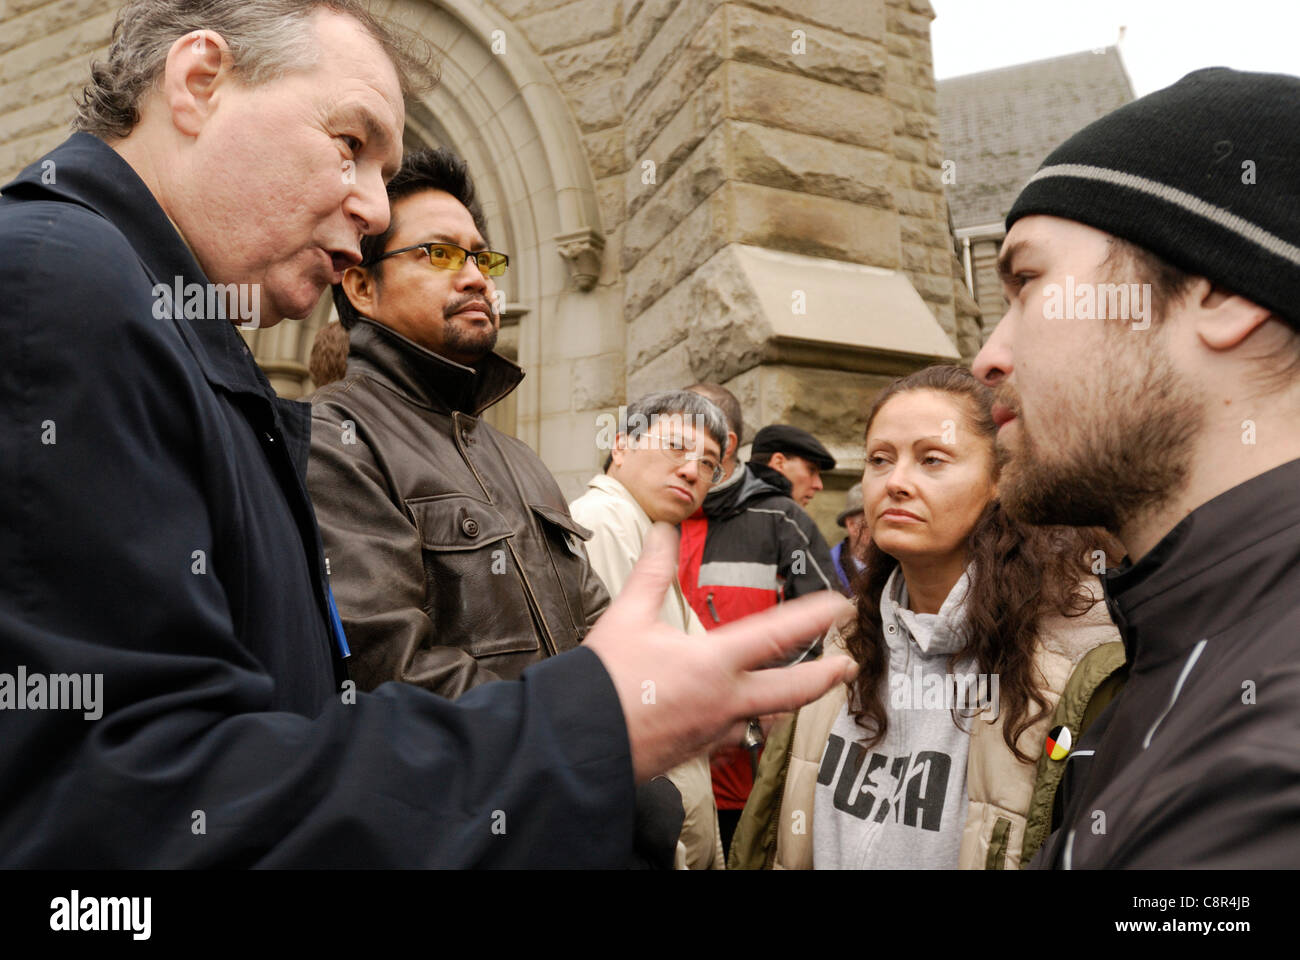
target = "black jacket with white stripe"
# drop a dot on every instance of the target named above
(1197, 762)
(748, 548)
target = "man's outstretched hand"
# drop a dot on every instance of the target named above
(681, 693)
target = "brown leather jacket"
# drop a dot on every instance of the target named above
(452, 555)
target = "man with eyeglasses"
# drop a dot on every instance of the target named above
(156, 541)
(453, 558)
(666, 456)
(749, 547)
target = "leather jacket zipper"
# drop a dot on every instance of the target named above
(579, 629)
(547, 640)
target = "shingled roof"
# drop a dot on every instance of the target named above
(998, 125)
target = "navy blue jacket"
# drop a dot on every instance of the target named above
(155, 529)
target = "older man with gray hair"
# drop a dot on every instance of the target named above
(158, 533)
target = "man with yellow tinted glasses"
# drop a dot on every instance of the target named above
(452, 554)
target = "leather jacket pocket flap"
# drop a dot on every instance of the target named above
(561, 519)
(569, 530)
(457, 522)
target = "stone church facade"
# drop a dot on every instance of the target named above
(744, 192)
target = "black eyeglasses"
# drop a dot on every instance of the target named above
(448, 256)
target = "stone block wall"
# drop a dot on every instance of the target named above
(806, 127)
(45, 53)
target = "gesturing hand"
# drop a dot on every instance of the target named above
(680, 693)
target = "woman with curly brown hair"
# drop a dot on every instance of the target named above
(977, 638)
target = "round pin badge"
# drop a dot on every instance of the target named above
(1059, 742)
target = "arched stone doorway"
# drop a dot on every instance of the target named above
(498, 106)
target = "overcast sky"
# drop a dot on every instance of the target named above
(1164, 40)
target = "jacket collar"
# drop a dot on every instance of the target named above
(427, 378)
(774, 477)
(1229, 557)
(743, 486)
(737, 477)
(89, 172)
(933, 633)
(611, 487)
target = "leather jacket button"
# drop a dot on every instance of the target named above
(470, 526)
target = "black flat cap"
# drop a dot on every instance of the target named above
(793, 442)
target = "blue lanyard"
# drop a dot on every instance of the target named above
(337, 625)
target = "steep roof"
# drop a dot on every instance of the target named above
(999, 125)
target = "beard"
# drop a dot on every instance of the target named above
(469, 340)
(1121, 455)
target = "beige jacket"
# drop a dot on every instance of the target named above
(1000, 788)
(619, 527)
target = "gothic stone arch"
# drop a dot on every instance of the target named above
(498, 106)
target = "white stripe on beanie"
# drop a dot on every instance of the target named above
(1229, 221)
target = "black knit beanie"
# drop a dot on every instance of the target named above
(1205, 174)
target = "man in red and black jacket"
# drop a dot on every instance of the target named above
(749, 547)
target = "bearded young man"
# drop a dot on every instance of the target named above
(157, 534)
(1176, 429)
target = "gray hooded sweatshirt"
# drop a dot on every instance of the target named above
(902, 804)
